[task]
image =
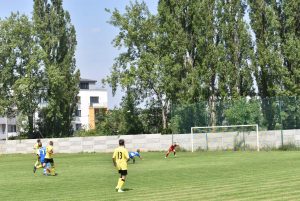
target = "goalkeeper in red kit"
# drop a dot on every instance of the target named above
(172, 149)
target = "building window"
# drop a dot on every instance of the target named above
(78, 99)
(3, 128)
(94, 99)
(41, 100)
(84, 85)
(78, 127)
(12, 128)
(78, 113)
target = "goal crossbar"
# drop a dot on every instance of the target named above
(230, 126)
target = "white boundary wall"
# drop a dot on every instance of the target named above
(150, 142)
(224, 137)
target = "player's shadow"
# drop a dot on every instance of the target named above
(127, 189)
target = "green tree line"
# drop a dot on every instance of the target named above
(37, 65)
(193, 63)
(209, 52)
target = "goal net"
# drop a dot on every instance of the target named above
(234, 137)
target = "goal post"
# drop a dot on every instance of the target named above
(233, 128)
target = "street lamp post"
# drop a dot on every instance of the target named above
(6, 127)
(281, 127)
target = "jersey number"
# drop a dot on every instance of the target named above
(119, 155)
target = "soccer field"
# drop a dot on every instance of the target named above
(190, 176)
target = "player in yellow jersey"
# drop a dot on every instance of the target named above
(120, 158)
(36, 148)
(50, 169)
(36, 145)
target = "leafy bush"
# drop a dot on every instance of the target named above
(84, 133)
(243, 112)
(289, 147)
(181, 149)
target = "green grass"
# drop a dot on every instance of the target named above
(190, 176)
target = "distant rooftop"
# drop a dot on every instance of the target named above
(88, 84)
(87, 80)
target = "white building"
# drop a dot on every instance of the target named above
(8, 127)
(90, 101)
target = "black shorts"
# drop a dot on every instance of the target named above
(48, 160)
(123, 172)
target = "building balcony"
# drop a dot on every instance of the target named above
(99, 105)
(76, 119)
(9, 134)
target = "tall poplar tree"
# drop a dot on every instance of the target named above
(176, 49)
(21, 68)
(269, 71)
(58, 40)
(288, 12)
(237, 80)
(203, 82)
(7, 64)
(289, 15)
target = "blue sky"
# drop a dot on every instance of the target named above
(95, 53)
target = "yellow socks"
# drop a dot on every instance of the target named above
(120, 183)
(37, 163)
(38, 166)
(53, 171)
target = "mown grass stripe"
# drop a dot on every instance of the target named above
(234, 193)
(228, 187)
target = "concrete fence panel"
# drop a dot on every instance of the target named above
(157, 142)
